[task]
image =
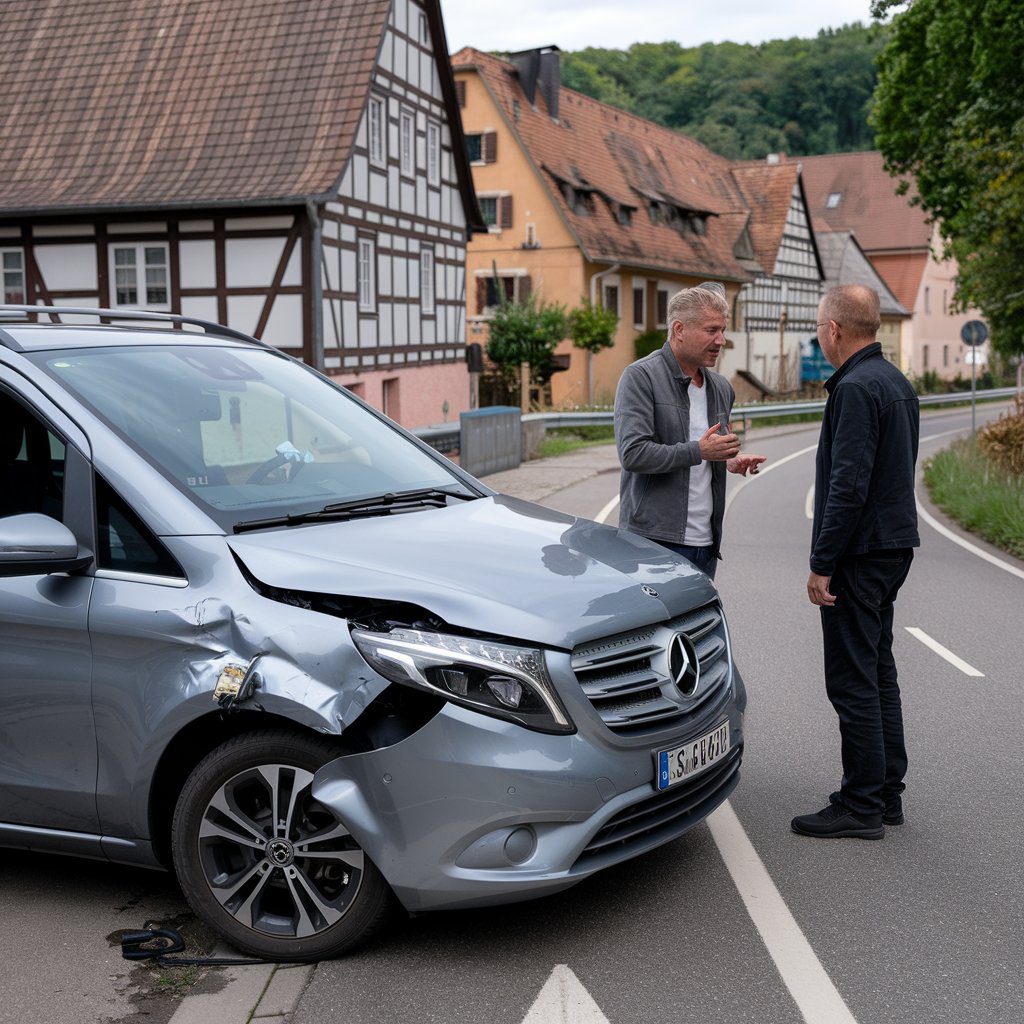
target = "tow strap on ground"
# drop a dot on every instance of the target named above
(160, 943)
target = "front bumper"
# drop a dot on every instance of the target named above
(473, 811)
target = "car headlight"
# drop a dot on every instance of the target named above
(496, 679)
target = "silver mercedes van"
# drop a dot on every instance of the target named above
(253, 631)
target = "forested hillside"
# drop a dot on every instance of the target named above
(788, 95)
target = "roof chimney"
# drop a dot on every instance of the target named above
(773, 158)
(540, 67)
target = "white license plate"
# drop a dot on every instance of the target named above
(693, 757)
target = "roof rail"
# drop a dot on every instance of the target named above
(208, 326)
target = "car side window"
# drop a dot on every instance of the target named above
(126, 544)
(31, 462)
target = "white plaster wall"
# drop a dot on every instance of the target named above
(198, 264)
(251, 262)
(284, 327)
(67, 267)
(202, 307)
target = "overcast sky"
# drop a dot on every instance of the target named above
(574, 24)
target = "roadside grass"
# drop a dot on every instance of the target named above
(979, 495)
(567, 439)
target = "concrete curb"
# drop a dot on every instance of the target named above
(258, 993)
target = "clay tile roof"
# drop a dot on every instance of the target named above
(132, 103)
(867, 205)
(768, 191)
(624, 160)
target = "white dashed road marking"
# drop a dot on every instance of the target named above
(944, 652)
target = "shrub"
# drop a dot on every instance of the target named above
(526, 332)
(1002, 442)
(592, 328)
(648, 342)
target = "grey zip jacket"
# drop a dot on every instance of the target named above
(652, 427)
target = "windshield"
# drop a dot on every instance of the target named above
(245, 433)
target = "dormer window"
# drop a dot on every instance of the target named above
(624, 215)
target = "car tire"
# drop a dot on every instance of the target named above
(242, 824)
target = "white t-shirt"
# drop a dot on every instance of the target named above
(698, 507)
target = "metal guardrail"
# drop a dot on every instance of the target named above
(448, 434)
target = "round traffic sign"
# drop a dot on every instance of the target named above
(974, 332)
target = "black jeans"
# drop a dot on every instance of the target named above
(860, 679)
(703, 558)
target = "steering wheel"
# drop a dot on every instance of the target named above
(262, 471)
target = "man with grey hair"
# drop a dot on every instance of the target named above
(672, 431)
(862, 541)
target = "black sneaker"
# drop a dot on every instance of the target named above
(892, 816)
(836, 822)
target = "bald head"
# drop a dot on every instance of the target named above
(855, 309)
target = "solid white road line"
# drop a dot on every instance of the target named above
(944, 652)
(973, 548)
(809, 503)
(764, 470)
(808, 983)
(564, 1000)
(603, 515)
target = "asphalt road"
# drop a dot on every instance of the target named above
(926, 926)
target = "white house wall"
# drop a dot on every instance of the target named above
(74, 264)
(794, 286)
(401, 214)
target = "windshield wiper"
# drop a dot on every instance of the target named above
(378, 504)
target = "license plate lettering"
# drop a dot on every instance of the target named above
(691, 758)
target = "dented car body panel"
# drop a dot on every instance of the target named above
(518, 570)
(499, 678)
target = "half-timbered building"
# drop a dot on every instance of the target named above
(295, 171)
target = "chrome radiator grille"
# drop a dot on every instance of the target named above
(647, 677)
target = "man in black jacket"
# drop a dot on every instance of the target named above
(862, 541)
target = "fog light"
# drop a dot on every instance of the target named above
(507, 690)
(520, 845)
(454, 680)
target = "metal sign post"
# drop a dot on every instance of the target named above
(974, 333)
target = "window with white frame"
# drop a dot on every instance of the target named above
(140, 275)
(427, 279)
(378, 146)
(433, 152)
(407, 142)
(366, 275)
(12, 262)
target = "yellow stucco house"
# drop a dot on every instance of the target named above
(585, 201)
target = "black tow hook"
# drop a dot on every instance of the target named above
(159, 943)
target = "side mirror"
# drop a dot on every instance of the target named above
(34, 544)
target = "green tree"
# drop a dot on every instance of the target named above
(949, 111)
(797, 95)
(526, 332)
(592, 328)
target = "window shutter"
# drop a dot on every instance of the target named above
(490, 147)
(460, 91)
(481, 295)
(525, 287)
(505, 216)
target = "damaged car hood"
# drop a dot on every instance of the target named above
(496, 564)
